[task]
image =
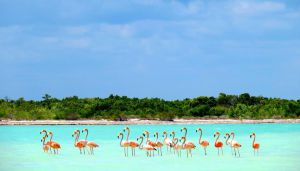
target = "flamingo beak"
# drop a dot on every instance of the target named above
(144, 134)
(214, 135)
(250, 136)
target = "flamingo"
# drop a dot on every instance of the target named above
(158, 144)
(227, 142)
(45, 146)
(167, 141)
(46, 135)
(149, 142)
(218, 144)
(90, 144)
(146, 147)
(203, 143)
(173, 139)
(132, 144)
(123, 143)
(188, 146)
(235, 145)
(78, 144)
(177, 147)
(54, 144)
(255, 145)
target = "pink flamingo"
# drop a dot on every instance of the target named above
(177, 147)
(227, 142)
(203, 143)
(218, 144)
(235, 145)
(167, 141)
(46, 135)
(78, 144)
(54, 144)
(149, 142)
(132, 144)
(158, 144)
(123, 143)
(188, 146)
(90, 144)
(173, 139)
(45, 146)
(148, 148)
(255, 145)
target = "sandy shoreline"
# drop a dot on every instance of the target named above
(143, 122)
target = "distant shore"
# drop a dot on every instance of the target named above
(145, 122)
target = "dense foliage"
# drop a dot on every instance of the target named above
(117, 107)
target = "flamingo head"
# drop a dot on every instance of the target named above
(226, 135)
(199, 129)
(156, 134)
(141, 137)
(146, 133)
(43, 131)
(182, 138)
(126, 128)
(217, 133)
(74, 133)
(43, 139)
(232, 133)
(85, 129)
(50, 133)
(253, 134)
(182, 129)
(120, 134)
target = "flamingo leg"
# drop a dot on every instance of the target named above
(222, 150)
(218, 152)
(124, 151)
(205, 151)
(239, 152)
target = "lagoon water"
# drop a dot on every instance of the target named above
(21, 149)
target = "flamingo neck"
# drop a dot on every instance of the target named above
(217, 138)
(183, 141)
(127, 135)
(166, 136)
(44, 139)
(185, 132)
(140, 145)
(156, 137)
(227, 139)
(51, 137)
(147, 137)
(232, 138)
(200, 136)
(87, 133)
(121, 140)
(76, 138)
(253, 142)
(175, 141)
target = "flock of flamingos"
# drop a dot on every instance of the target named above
(172, 143)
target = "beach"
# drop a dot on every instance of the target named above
(145, 122)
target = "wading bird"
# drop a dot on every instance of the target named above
(167, 141)
(235, 145)
(203, 143)
(148, 148)
(90, 144)
(149, 142)
(123, 143)
(218, 144)
(188, 146)
(255, 145)
(78, 144)
(45, 146)
(158, 144)
(177, 147)
(132, 144)
(54, 144)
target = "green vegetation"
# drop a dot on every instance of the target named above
(117, 107)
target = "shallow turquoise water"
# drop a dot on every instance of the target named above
(21, 149)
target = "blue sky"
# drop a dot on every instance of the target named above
(152, 48)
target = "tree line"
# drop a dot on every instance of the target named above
(114, 107)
